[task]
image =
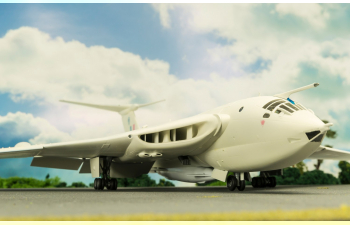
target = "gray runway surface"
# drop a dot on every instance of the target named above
(84, 201)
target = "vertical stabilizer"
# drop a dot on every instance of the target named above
(129, 121)
(126, 111)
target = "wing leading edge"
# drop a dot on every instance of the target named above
(330, 153)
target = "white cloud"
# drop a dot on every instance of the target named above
(21, 125)
(313, 13)
(163, 10)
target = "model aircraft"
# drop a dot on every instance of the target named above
(265, 133)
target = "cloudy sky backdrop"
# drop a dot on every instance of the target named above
(197, 56)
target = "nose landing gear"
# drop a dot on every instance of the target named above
(106, 181)
(237, 180)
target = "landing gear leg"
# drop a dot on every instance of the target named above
(106, 181)
(241, 186)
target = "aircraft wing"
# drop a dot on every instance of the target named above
(189, 136)
(330, 153)
(75, 149)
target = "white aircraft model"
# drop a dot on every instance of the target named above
(265, 133)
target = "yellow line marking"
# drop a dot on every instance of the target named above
(322, 188)
(341, 213)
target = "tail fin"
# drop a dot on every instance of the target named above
(126, 111)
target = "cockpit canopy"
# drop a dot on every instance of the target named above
(280, 105)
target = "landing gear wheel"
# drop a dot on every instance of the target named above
(272, 181)
(114, 184)
(95, 184)
(241, 186)
(103, 184)
(109, 184)
(232, 182)
(98, 184)
(255, 182)
(261, 182)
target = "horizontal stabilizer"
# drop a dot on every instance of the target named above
(114, 108)
(126, 111)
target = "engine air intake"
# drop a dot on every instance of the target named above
(312, 134)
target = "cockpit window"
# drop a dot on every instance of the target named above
(266, 115)
(286, 108)
(267, 104)
(278, 111)
(300, 106)
(292, 106)
(273, 106)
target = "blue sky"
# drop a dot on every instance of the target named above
(197, 56)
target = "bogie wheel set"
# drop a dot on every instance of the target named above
(262, 181)
(106, 181)
(110, 184)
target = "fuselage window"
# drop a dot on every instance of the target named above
(286, 108)
(240, 110)
(273, 106)
(292, 106)
(267, 104)
(266, 115)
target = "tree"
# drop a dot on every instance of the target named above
(344, 174)
(301, 167)
(24, 182)
(290, 176)
(142, 181)
(317, 177)
(78, 184)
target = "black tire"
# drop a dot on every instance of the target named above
(241, 186)
(261, 182)
(95, 184)
(232, 182)
(254, 182)
(109, 184)
(272, 182)
(103, 184)
(98, 183)
(115, 184)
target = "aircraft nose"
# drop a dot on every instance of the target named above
(316, 133)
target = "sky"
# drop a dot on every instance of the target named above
(196, 56)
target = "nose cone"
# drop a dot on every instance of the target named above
(309, 122)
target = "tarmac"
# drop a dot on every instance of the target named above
(167, 200)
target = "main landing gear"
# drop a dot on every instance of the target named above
(261, 182)
(106, 181)
(238, 181)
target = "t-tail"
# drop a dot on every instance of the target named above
(126, 111)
